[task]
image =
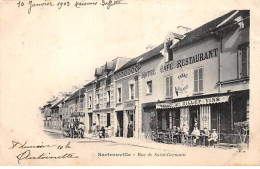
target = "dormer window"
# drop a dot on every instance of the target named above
(98, 72)
(169, 50)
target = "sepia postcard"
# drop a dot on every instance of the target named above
(129, 83)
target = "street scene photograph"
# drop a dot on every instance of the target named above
(127, 83)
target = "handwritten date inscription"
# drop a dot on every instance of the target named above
(62, 4)
(27, 154)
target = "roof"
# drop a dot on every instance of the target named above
(143, 57)
(90, 83)
(57, 103)
(206, 29)
(76, 94)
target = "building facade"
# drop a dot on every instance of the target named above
(207, 79)
(102, 91)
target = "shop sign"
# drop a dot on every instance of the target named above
(148, 73)
(190, 60)
(183, 83)
(197, 58)
(194, 102)
(129, 106)
(78, 114)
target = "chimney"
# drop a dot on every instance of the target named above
(182, 30)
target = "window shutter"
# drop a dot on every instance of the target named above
(167, 86)
(201, 79)
(239, 63)
(196, 80)
(244, 62)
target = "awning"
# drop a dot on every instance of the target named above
(193, 102)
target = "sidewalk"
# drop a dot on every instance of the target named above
(151, 145)
(159, 146)
(52, 130)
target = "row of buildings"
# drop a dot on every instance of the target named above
(194, 75)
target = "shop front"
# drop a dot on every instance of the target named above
(216, 112)
(104, 119)
(200, 112)
(129, 119)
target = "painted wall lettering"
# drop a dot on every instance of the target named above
(197, 58)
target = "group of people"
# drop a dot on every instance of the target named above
(101, 133)
(76, 128)
(209, 137)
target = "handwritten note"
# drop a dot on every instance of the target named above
(31, 5)
(27, 154)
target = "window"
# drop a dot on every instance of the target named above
(98, 85)
(81, 105)
(198, 80)
(131, 94)
(108, 98)
(71, 110)
(243, 61)
(169, 86)
(119, 95)
(149, 87)
(169, 50)
(89, 102)
(97, 101)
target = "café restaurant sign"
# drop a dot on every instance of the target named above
(190, 60)
(194, 102)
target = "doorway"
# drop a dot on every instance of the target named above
(131, 124)
(194, 118)
(119, 130)
(90, 122)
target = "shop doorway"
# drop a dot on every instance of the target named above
(98, 122)
(90, 117)
(119, 130)
(130, 126)
(194, 118)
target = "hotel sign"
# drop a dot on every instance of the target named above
(148, 73)
(194, 102)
